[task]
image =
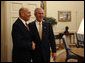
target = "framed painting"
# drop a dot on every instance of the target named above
(64, 16)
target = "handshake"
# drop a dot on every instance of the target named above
(33, 45)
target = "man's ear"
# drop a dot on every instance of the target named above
(22, 14)
(34, 14)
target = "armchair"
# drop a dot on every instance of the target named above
(69, 54)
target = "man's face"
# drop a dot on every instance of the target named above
(27, 15)
(39, 15)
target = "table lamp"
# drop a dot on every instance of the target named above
(81, 28)
(80, 34)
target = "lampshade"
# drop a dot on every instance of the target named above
(81, 27)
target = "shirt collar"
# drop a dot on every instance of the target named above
(23, 21)
(38, 22)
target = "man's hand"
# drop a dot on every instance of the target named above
(54, 56)
(33, 45)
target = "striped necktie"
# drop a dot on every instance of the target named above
(27, 26)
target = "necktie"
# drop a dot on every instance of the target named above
(40, 30)
(27, 26)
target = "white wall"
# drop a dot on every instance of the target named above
(77, 13)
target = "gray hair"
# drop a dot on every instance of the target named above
(35, 11)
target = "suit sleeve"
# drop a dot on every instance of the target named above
(31, 31)
(18, 39)
(52, 39)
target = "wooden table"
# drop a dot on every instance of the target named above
(79, 52)
(69, 35)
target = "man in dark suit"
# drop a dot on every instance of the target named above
(43, 37)
(22, 42)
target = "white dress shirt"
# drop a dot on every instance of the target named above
(23, 21)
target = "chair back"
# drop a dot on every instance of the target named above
(66, 45)
(80, 37)
(80, 40)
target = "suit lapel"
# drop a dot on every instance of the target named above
(36, 30)
(22, 26)
(43, 29)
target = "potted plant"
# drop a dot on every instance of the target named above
(50, 20)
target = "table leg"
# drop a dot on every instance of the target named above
(70, 39)
(74, 39)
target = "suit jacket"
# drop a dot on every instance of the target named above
(22, 43)
(42, 49)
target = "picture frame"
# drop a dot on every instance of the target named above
(64, 16)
